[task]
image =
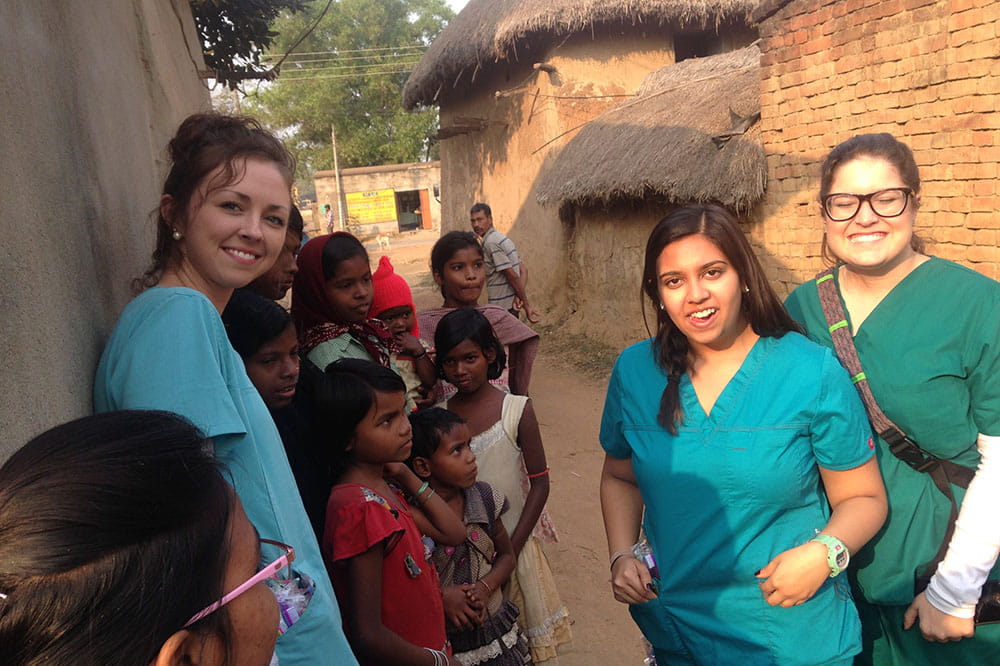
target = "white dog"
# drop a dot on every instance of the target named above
(383, 241)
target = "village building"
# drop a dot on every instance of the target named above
(691, 133)
(378, 200)
(515, 80)
(745, 127)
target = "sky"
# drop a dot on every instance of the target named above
(457, 5)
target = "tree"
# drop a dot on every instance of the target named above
(234, 34)
(349, 73)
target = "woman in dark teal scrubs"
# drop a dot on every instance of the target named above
(725, 429)
(927, 332)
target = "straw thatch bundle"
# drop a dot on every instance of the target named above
(661, 145)
(487, 32)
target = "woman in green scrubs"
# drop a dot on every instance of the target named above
(927, 332)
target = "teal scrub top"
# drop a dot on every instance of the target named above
(169, 351)
(732, 490)
(931, 353)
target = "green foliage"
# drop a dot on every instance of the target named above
(235, 33)
(349, 73)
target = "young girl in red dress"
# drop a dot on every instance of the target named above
(389, 593)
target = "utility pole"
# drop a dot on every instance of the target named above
(336, 179)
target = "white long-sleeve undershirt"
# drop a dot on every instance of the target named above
(955, 587)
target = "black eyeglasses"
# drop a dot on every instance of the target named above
(891, 202)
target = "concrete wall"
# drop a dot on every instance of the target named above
(399, 177)
(925, 71)
(518, 120)
(91, 94)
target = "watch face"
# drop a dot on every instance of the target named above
(842, 559)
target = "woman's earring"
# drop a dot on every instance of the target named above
(746, 289)
(177, 235)
(662, 307)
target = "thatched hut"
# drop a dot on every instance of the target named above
(690, 134)
(516, 79)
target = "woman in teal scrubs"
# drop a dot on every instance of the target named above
(927, 332)
(222, 223)
(724, 430)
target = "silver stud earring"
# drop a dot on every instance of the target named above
(177, 235)
(662, 307)
(746, 289)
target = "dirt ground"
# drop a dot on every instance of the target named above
(568, 402)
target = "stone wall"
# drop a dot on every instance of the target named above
(925, 71)
(91, 94)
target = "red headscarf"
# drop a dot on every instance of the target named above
(313, 316)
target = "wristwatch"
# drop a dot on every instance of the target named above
(837, 555)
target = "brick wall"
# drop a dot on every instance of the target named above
(926, 71)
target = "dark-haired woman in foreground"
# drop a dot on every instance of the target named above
(927, 332)
(116, 531)
(726, 428)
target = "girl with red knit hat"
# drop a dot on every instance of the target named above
(392, 303)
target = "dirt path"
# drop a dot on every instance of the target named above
(568, 403)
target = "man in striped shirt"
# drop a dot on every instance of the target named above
(506, 274)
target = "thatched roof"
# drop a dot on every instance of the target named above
(487, 32)
(674, 141)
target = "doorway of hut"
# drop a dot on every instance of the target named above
(408, 209)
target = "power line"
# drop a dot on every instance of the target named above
(355, 67)
(342, 76)
(372, 59)
(334, 51)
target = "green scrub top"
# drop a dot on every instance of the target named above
(931, 352)
(732, 490)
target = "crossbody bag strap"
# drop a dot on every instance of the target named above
(942, 472)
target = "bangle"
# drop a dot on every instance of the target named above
(486, 585)
(420, 490)
(440, 658)
(544, 472)
(620, 553)
(420, 355)
(426, 499)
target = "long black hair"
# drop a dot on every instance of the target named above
(761, 306)
(343, 395)
(113, 534)
(252, 321)
(468, 324)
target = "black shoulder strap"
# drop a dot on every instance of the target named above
(942, 472)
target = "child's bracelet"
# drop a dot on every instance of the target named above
(486, 585)
(544, 472)
(420, 490)
(426, 499)
(420, 355)
(440, 658)
(620, 553)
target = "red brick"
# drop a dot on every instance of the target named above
(983, 221)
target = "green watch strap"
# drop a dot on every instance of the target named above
(837, 555)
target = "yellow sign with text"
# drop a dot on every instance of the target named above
(372, 207)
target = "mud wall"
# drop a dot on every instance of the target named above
(92, 93)
(514, 123)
